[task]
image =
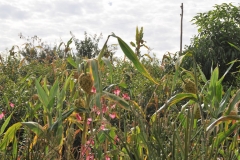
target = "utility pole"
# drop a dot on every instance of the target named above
(181, 29)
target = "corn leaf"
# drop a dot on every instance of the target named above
(133, 57)
(233, 102)
(108, 63)
(120, 101)
(72, 62)
(202, 74)
(34, 127)
(173, 100)
(224, 101)
(214, 77)
(103, 50)
(180, 59)
(42, 95)
(57, 123)
(234, 46)
(53, 90)
(3, 127)
(221, 119)
(223, 135)
(97, 80)
(15, 148)
(232, 63)
(9, 135)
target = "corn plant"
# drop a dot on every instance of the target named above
(87, 112)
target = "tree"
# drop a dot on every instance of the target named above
(35, 50)
(88, 47)
(216, 29)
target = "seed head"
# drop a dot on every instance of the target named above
(190, 86)
(86, 82)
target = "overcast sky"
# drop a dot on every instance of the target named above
(52, 20)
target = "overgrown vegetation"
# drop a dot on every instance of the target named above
(217, 30)
(56, 104)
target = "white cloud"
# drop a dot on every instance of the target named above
(52, 20)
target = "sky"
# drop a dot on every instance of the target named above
(53, 20)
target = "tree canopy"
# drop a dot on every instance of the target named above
(216, 29)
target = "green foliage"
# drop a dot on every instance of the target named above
(35, 50)
(137, 108)
(211, 48)
(133, 58)
(139, 42)
(88, 47)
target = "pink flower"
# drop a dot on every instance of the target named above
(116, 139)
(2, 116)
(94, 108)
(11, 105)
(85, 149)
(93, 90)
(112, 115)
(107, 158)
(89, 120)
(113, 106)
(126, 96)
(104, 108)
(90, 142)
(103, 100)
(98, 112)
(102, 127)
(78, 117)
(90, 157)
(117, 91)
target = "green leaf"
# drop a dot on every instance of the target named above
(137, 35)
(108, 63)
(221, 119)
(233, 102)
(224, 101)
(133, 57)
(133, 44)
(72, 62)
(219, 91)
(123, 85)
(97, 80)
(103, 49)
(69, 42)
(214, 77)
(120, 101)
(202, 75)
(173, 100)
(234, 46)
(109, 88)
(9, 135)
(15, 148)
(59, 46)
(59, 135)
(223, 135)
(72, 85)
(5, 124)
(66, 83)
(57, 124)
(147, 55)
(6, 100)
(53, 90)
(34, 127)
(101, 136)
(232, 63)
(180, 59)
(141, 32)
(42, 95)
